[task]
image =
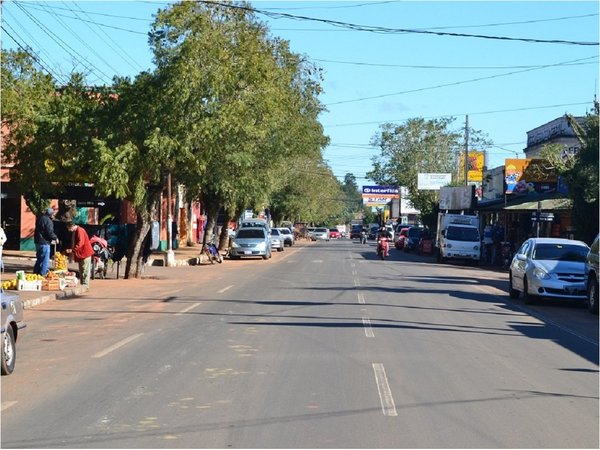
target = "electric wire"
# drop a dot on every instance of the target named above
(386, 30)
(72, 52)
(456, 83)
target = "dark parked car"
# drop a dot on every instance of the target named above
(413, 238)
(591, 275)
(355, 231)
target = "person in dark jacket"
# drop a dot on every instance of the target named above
(43, 237)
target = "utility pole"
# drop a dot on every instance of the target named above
(170, 254)
(466, 149)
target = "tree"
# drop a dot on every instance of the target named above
(420, 146)
(580, 171)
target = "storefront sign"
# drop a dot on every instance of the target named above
(433, 181)
(527, 176)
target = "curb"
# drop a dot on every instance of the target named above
(67, 293)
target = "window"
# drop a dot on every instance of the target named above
(466, 234)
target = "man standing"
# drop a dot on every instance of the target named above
(43, 237)
(82, 252)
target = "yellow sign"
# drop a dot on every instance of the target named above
(475, 166)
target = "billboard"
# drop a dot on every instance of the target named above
(379, 195)
(460, 197)
(433, 181)
(475, 166)
(527, 176)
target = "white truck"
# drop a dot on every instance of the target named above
(458, 237)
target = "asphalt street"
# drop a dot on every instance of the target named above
(323, 346)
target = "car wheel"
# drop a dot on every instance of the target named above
(9, 351)
(527, 297)
(512, 292)
(592, 296)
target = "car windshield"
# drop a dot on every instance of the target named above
(560, 252)
(249, 233)
(285, 231)
(333, 230)
(321, 230)
(275, 232)
(466, 234)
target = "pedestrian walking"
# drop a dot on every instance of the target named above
(81, 251)
(43, 237)
(2, 242)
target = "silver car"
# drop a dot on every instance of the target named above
(549, 268)
(320, 234)
(288, 236)
(251, 241)
(12, 322)
(277, 239)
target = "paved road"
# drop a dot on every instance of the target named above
(322, 346)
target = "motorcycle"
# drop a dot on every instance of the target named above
(211, 251)
(102, 253)
(382, 247)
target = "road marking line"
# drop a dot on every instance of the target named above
(361, 298)
(226, 288)
(367, 325)
(6, 405)
(189, 308)
(116, 346)
(354, 272)
(385, 394)
(356, 282)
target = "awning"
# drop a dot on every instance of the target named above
(528, 204)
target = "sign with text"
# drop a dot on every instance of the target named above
(379, 195)
(433, 181)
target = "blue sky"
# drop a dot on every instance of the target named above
(506, 83)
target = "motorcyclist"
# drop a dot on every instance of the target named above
(363, 236)
(383, 237)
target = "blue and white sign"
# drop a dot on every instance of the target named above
(379, 191)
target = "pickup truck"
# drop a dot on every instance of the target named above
(12, 323)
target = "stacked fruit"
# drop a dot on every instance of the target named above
(61, 261)
(12, 284)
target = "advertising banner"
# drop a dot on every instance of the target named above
(433, 181)
(475, 166)
(528, 176)
(379, 195)
(454, 198)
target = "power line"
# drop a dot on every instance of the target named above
(386, 30)
(461, 114)
(456, 83)
(412, 66)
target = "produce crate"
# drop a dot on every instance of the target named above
(27, 285)
(57, 284)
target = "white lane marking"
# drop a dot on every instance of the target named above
(385, 394)
(361, 298)
(354, 272)
(6, 405)
(318, 261)
(187, 309)
(226, 288)
(356, 282)
(367, 325)
(116, 346)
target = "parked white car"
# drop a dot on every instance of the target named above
(12, 323)
(320, 234)
(549, 268)
(288, 236)
(277, 239)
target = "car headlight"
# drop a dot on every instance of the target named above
(541, 274)
(261, 246)
(234, 244)
(448, 245)
(476, 248)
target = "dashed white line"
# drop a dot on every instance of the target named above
(226, 288)
(189, 308)
(361, 298)
(368, 330)
(385, 393)
(116, 346)
(356, 282)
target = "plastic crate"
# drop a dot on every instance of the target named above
(26, 285)
(57, 284)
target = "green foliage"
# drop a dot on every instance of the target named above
(580, 171)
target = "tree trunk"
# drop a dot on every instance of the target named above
(134, 251)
